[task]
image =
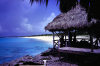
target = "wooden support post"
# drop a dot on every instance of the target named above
(69, 37)
(74, 36)
(97, 41)
(65, 38)
(91, 42)
(53, 40)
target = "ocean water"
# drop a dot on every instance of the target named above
(13, 48)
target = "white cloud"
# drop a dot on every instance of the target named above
(0, 28)
(3, 30)
(51, 17)
(25, 26)
(47, 20)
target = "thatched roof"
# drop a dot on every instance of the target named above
(75, 18)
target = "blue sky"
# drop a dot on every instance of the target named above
(19, 18)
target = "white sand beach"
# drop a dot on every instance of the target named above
(49, 39)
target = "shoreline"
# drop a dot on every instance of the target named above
(48, 39)
(38, 59)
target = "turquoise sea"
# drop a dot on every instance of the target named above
(13, 48)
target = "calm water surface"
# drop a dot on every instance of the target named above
(12, 48)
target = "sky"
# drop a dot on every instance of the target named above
(20, 18)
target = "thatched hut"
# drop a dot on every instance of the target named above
(75, 19)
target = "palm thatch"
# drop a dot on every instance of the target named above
(75, 18)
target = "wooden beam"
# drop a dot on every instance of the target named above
(57, 35)
(65, 38)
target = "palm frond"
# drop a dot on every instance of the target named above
(95, 9)
(39, 1)
(58, 2)
(46, 2)
(91, 6)
(85, 4)
(31, 1)
(66, 5)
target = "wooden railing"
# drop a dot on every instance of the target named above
(57, 42)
